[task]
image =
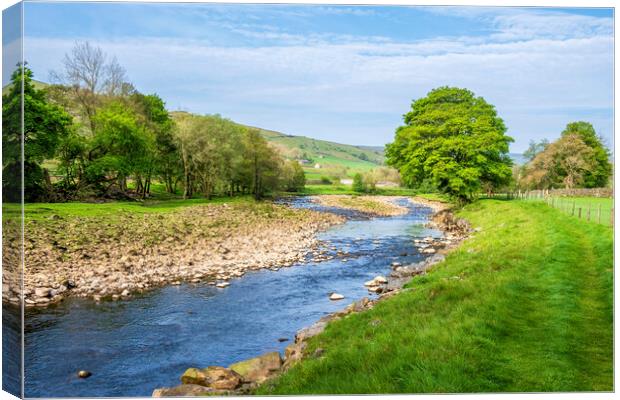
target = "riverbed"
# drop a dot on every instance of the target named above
(136, 345)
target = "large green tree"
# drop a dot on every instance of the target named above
(599, 175)
(262, 164)
(456, 140)
(45, 125)
(162, 158)
(120, 148)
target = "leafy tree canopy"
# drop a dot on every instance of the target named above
(456, 140)
(564, 162)
(44, 127)
(598, 175)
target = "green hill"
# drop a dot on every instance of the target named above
(325, 158)
(37, 85)
(320, 158)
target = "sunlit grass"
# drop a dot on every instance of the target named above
(79, 209)
(525, 305)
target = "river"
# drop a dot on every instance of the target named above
(134, 346)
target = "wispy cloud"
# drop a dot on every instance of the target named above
(541, 70)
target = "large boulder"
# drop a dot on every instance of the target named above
(258, 369)
(186, 390)
(218, 378)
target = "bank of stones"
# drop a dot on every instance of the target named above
(104, 258)
(374, 206)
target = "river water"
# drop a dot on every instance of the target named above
(134, 346)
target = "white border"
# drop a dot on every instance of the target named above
(485, 3)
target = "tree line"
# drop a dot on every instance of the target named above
(578, 159)
(454, 142)
(108, 140)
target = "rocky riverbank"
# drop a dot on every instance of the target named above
(105, 258)
(217, 380)
(374, 206)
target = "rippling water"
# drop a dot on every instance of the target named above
(137, 345)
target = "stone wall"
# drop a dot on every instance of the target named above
(594, 192)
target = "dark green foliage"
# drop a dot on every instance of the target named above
(454, 139)
(326, 180)
(45, 125)
(358, 183)
(293, 176)
(219, 156)
(118, 149)
(125, 142)
(163, 159)
(261, 164)
(599, 176)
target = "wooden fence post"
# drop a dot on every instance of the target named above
(579, 212)
(589, 208)
(599, 213)
(573, 210)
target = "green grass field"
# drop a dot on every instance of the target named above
(525, 305)
(113, 209)
(331, 156)
(571, 206)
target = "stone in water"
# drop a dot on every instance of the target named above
(84, 374)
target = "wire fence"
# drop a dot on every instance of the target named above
(593, 209)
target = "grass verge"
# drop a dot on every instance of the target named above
(525, 305)
(113, 209)
(595, 208)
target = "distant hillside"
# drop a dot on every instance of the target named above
(320, 158)
(37, 85)
(332, 158)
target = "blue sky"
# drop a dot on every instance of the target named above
(345, 73)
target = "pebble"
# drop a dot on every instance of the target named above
(336, 296)
(381, 279)
(84, 374)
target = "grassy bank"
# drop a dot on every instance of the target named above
(113, 209)
(589, 206)
(161, 202)
(524, 305)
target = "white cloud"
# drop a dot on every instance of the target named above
(533, 69)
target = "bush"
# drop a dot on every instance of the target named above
(358, 183)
